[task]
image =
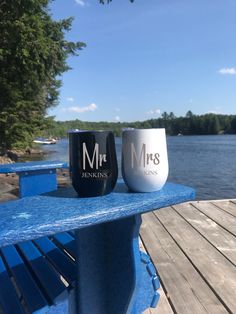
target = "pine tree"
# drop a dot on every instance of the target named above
(33, 53)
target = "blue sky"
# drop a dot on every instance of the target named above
(147, 57)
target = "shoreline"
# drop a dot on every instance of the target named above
(17, 155)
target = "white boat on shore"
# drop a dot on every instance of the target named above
(47, 141)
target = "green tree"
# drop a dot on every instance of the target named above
(165, 115)
(213, 125)
(189, 114)
(33, 53)
(233, 125)
(172, 115)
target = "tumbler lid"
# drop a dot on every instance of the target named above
(87, 131)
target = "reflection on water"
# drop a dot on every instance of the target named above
(207, 163)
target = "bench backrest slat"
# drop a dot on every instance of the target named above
(45, 275)
(9, 301)
(64, 265)
(65, 241)
(27, 286)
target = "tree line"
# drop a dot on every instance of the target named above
(33, 56)
(190, 124)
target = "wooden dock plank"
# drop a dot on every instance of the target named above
(222, 218)
(228, 206)
(187, 291)
(217, 271)
(224, 241)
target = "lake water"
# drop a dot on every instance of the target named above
(206, 163)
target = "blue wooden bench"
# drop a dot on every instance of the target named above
(35, 177)
(41, 274)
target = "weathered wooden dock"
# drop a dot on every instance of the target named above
(193, 247)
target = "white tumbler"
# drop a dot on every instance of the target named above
(144, 159)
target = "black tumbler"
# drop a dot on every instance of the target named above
(93, 163)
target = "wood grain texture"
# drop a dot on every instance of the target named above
(228, 206)
(224, 241)
(221, 217)
(217, 271)
(187, 291)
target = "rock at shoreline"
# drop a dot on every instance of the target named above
(5, 160)
(34, 151)
(7, 197)
(16, 154)
(5, 187)
(9, 189)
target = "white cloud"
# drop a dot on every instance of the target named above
(80, 2)
(79, 109)
(228, 71)
(154, 111)
(71, 99)
(117, 118)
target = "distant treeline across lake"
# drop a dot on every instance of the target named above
(207, 163)
(190, 124)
